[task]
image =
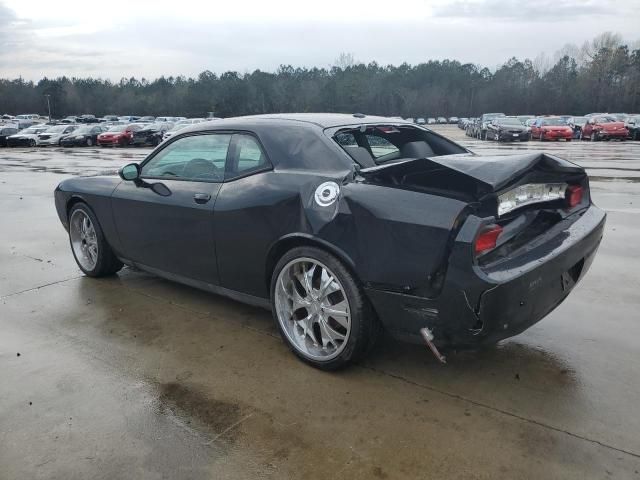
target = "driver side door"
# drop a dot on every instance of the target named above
(173, 230)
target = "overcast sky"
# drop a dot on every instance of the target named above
(149, 38)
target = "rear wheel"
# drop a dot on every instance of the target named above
(90, 249)
(321, 311)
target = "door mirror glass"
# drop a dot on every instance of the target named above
(130, 172)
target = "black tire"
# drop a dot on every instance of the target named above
(365, 326)
(107, 263)
(32, 143)
(593, 137)
(89, 142)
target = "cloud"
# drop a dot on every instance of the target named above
(526, 11)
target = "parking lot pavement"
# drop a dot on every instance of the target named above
(137, 377)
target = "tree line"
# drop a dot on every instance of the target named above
(602, 75)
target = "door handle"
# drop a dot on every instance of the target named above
(201, 197)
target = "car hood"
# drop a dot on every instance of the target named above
(610, 126)
(555, 127)
(24, 135)
(490, 173)
(518, 128)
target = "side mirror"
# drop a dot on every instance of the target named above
(130, 172)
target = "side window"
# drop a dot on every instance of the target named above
(196, 157)
(248, 156)
(380, 146)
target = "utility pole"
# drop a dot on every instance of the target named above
(48, 106)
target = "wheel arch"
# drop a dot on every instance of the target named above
(290, 241)
(74, 200)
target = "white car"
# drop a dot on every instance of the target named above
(53, 135)
(27, 137)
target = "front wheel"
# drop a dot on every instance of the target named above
(32, 143)
(89, 142)
(90, 249)
(321, 311)
(593, 137)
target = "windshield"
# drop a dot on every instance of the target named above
(605, 120)
(154, 126)
(83, 130)
(57, 129)
(553, 122)
(117, 128)
(32, 130)
(579, 120)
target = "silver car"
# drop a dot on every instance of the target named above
(53, 135)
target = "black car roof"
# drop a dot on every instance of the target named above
(322, 120)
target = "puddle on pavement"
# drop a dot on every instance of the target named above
(198, 410)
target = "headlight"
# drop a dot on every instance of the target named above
(528, 194)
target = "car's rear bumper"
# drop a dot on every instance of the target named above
(110, 141)
(477, 306)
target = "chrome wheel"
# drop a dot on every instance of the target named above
(83, 240)
(312, 309)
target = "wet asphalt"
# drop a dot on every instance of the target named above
(137, 377)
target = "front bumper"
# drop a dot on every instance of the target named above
(511, 136)
(73, 142)
(557, 135)
(152, 139)
(112, 141)
(18, 142)
(617, 134)
(478, 306)
(49, 142)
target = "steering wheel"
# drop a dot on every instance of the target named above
(199, 167)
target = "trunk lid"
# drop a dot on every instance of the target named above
(488, 174)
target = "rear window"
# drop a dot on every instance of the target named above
(378, 144)
(381, 146)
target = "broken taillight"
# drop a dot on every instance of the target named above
(487, 239)
(574, 195)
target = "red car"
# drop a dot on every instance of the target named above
(604, 127)
(551, 128)
(118, 135)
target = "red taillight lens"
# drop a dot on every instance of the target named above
(488, 238)
(574, 195)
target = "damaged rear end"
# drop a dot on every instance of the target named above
(528, 234)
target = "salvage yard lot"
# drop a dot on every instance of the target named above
(137, 377)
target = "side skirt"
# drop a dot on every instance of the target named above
(209, 287)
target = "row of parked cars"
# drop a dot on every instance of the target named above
(118, 132)
(434, 120)
(594, 127)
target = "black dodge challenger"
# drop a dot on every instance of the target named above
(345, 226)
